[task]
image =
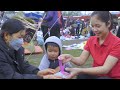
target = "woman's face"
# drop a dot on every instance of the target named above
(20, 34)
(52, 52)
(17, 35)
(98, 27)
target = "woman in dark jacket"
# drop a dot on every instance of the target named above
(12, 63)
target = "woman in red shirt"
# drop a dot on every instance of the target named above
(104, 48)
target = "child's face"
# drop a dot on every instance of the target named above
(52, 52)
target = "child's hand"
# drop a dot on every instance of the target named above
(46, 72)
(57, 69)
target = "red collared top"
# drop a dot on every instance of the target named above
(111, 46)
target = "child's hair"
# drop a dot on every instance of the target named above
(52, 44)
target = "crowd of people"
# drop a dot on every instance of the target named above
(76, 27)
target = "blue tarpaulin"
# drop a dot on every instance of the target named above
(34, 16)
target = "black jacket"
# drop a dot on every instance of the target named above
(118, 32)
(13, 65)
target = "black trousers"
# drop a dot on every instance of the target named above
(81, 30)
(86, 76)
(55, 31)
(77, 31)
(45, 30)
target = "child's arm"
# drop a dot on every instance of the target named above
(57, 69)
(44, 64)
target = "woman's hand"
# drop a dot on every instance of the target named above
(65, 58)
(73, 72)
(46, 72)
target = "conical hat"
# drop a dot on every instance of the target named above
(26, 23)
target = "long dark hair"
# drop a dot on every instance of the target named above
(104, 16)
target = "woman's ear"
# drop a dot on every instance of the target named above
(109, 24)
(6, 36)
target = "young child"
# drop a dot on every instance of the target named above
(53, 48)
